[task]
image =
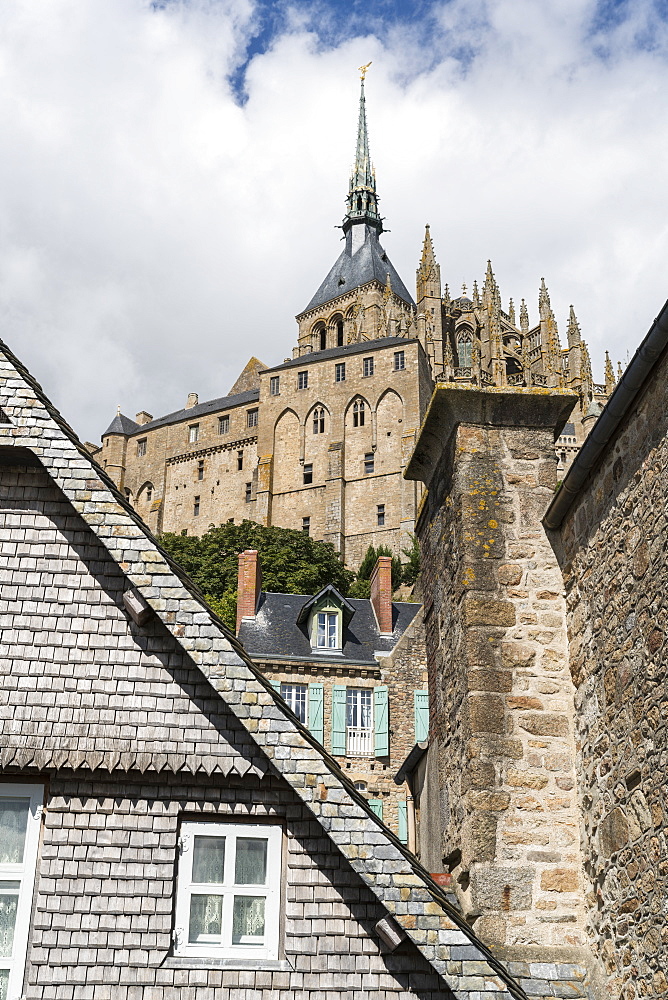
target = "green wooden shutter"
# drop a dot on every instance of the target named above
(376, 806)
(381, 721)
(316, 715)
(403, 822)
(339, 720)
(421, 703)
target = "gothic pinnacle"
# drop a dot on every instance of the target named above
(362, 200)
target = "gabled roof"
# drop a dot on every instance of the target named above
(396, 878)
(275, 632)
(332, 593)
(192, 413)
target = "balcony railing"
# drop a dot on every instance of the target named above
(359, 742)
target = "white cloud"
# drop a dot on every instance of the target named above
(154, 234)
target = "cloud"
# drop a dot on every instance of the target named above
(155, 230)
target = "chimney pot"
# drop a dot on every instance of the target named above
(193, 399)
(381, 594)
(249, 585)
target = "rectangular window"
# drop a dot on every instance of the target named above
(327, 630)
(251, 418)
(240, 461)
(340, 372)
(367, 367)
(196, 507)
(302, 380)
(141, 451)
(193, 433)
(228, 891)
(248, 492)
(275, 385)
(20, 807)
(308, 474)
(380, 514)
(296, 695)
(359, 722)
(224, 424)
(306, 525)
(200, 469)
(368, 463)
(399, 361)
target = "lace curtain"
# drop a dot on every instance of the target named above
(248, 918)
(251, 861)
(205, 918)
(208, 859)
(13, 822)
(8, 906)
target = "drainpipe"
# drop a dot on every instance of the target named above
(410, 818)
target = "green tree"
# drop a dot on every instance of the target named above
(292, 562)
(361, 586)
(411, 568)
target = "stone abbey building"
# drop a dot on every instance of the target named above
(320, 442)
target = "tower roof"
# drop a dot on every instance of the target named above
(362, 199)
(121, 425)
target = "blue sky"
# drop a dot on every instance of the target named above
(171, 173)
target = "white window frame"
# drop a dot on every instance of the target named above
(185, 889)
(224, 424)
(275, 385)
(359, 738)
(332, 625)
(24, 874)
(289, 693)
(193, 433)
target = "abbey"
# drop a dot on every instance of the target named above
(320, 442)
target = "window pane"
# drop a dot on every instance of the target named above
(331, 631)
(13, 822)
(321, 630)
(248, 920)
(208, 859)
(251, 861)
(8, 904)
(205, 918)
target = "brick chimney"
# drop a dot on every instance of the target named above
(381, 593)
(249, 585)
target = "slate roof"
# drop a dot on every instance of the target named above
(201, 410)
(351, 270)
(121, 425)
(365, 347)
(569, 429)
(274, 631)
(390, 871)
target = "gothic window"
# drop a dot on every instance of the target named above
(322, 333)
(465, 349)
(358, 413)
(359, 204)
(319, 420)
(339, 333)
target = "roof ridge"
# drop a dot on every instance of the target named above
(307, 767)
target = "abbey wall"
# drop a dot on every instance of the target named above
(612, 551)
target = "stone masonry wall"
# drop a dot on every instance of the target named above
(502, 697)
(613, 550)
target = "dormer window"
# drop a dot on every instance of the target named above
(323, 619)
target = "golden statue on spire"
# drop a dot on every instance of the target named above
(363, 70)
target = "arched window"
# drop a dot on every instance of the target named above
(359, 204)
(465, 349)
(339, 333)
(318, 420)
(323, 338)
(358, 413)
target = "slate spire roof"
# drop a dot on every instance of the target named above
(391, 872)
(121, 425)
(363, 259)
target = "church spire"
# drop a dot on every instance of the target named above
(362, 200)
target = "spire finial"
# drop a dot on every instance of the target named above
(362, 200)
(118, 410)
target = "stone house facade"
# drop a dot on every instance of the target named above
(544, 635)
(168, 825)
(354, 671)
(320, 442)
